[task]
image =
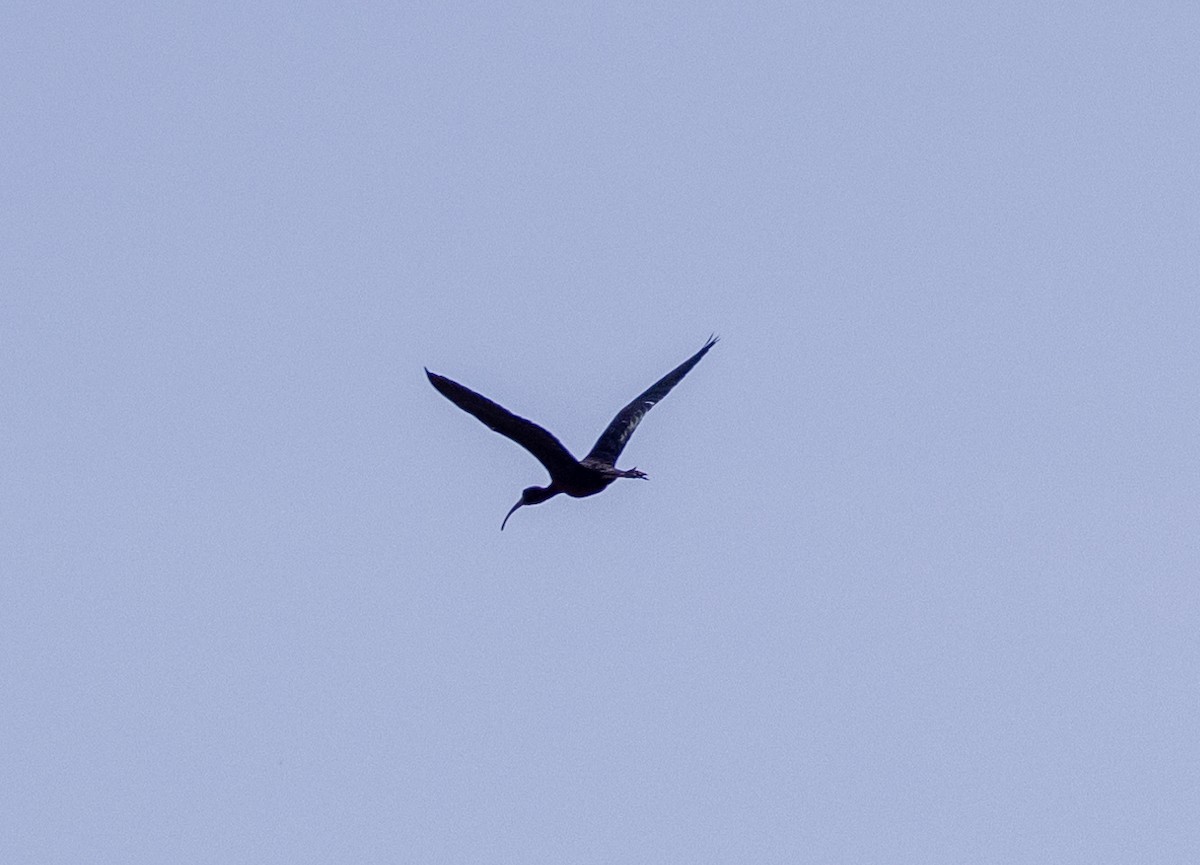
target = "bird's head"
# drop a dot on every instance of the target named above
(530, 496)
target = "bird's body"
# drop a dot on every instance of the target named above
(576, 478)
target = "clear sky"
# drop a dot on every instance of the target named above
(915, 575)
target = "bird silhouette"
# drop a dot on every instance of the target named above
(576, 478)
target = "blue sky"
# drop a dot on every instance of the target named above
(914, 578)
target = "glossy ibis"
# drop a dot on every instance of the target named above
(577, 478)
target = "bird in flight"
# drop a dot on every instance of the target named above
(576, 478)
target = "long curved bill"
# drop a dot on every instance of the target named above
(510, 513)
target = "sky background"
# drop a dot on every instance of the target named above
(914, 578)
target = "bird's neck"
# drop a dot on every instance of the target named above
(537, 495)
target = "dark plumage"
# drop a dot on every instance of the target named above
(577, 478)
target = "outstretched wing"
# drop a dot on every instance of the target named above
(539, 442)
(612, 441)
